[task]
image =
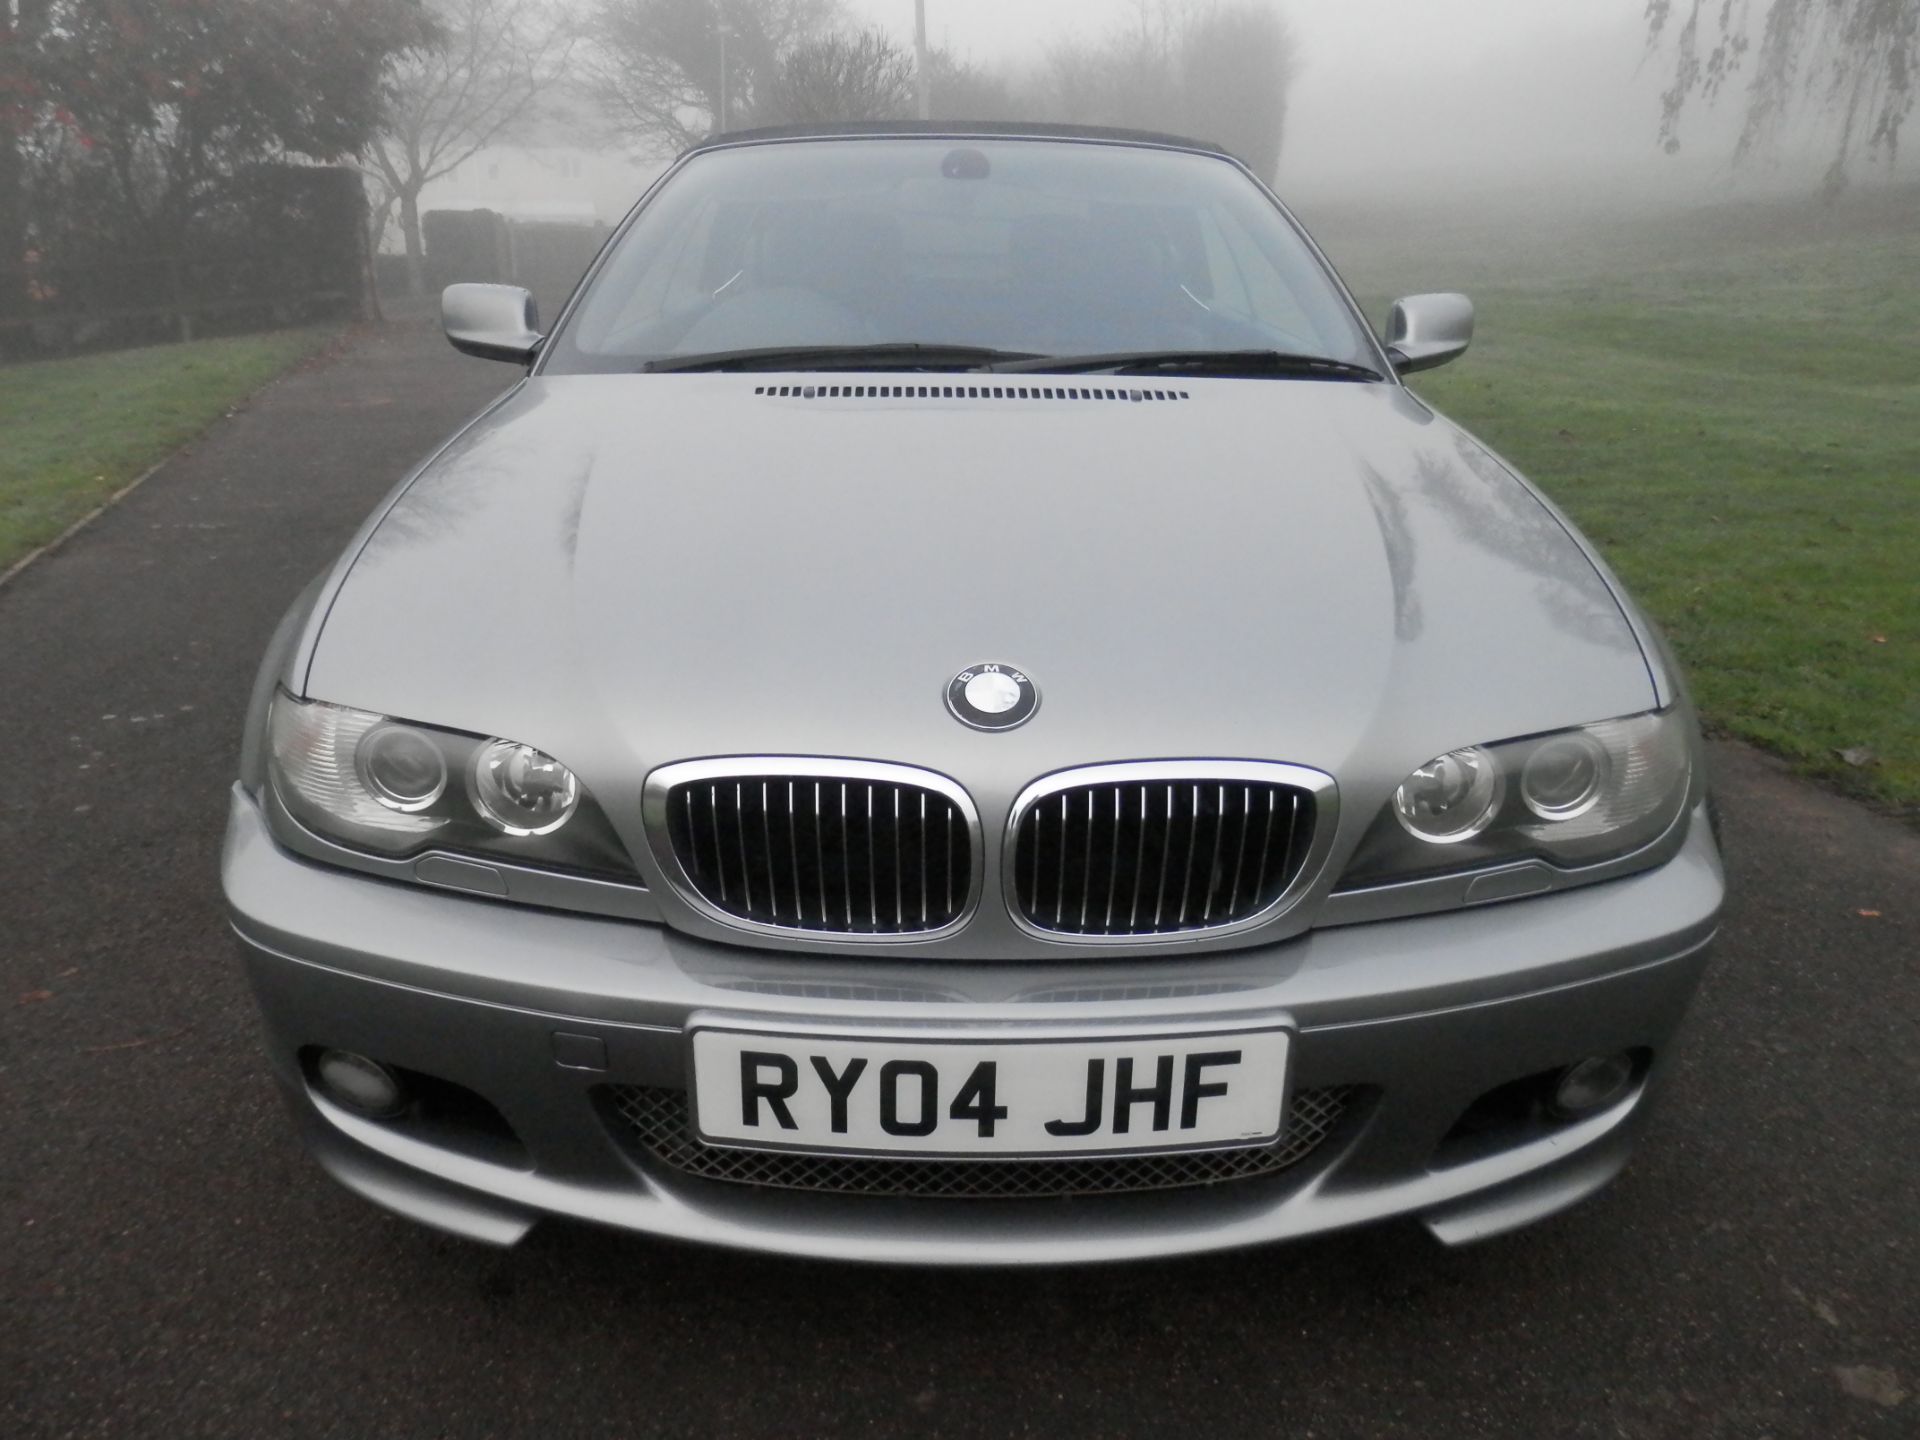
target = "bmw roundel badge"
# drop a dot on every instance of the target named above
(992, 697)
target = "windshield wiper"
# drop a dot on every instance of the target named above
(903, 356)
(1208, 362)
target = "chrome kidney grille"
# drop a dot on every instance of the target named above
(1126, 851)
(869, 851)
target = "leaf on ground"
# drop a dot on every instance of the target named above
(34, 997)
(1858, 756)
(1868, 914)
(1870, 1382)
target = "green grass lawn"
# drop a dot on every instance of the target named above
(1729, 405)
(72, 432)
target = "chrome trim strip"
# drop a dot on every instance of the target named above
(1326, 812)
(661, 782)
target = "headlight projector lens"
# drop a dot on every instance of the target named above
(521, 790)
(1451, 798)
(401, 768)
(1565, 776)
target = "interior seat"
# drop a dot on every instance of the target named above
(1088, 285)
(853, 258)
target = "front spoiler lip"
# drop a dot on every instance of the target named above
(497, 1205)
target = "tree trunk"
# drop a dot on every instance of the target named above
(416, 250)
(21, 26)
(15, 337)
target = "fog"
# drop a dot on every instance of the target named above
(1435, 104)
(477, 116)
(1397, 95)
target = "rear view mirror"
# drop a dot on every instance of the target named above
(1428, 330)
(493, 322)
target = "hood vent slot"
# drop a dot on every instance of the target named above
(1131, 394)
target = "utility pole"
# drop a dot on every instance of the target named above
(920, 53)
(720, 16)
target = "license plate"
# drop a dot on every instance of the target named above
(850, 1093)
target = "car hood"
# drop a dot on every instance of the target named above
(627, 571)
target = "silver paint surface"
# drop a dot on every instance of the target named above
(628, 571)
(640, 571)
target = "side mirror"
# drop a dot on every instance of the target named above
(493, 322)
(1428, 330)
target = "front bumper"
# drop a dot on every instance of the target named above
(1424, 1015)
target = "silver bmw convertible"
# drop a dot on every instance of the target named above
(962, 712)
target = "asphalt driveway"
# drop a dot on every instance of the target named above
(172, 1265)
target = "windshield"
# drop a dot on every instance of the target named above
(1020, 246)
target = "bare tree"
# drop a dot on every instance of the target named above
(23, 23)
(488, 70)
(1237, 63)
(1856, 59)
(960, 89)
(1125, 78)
(1120, 79)
(671, 72)
(863, 76)
(1218, 69)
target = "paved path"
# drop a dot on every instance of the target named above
(171, 1265)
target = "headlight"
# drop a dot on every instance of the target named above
(1575, 797)
(396, 789)
(401, 767)
(1451, 798)
(521, 790)
(1566, 776)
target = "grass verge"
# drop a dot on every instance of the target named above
(1729, 405)
(77, 431)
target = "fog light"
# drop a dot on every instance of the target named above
(362, 1085)
(1592, 1084)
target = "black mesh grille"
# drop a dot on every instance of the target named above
(843, 856)
(1158, 857)
(657, 1121)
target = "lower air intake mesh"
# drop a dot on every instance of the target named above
(657, 1120)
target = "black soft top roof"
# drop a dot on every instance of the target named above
(957, 130)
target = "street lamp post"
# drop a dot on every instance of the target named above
(721, 17)
(920, 53)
